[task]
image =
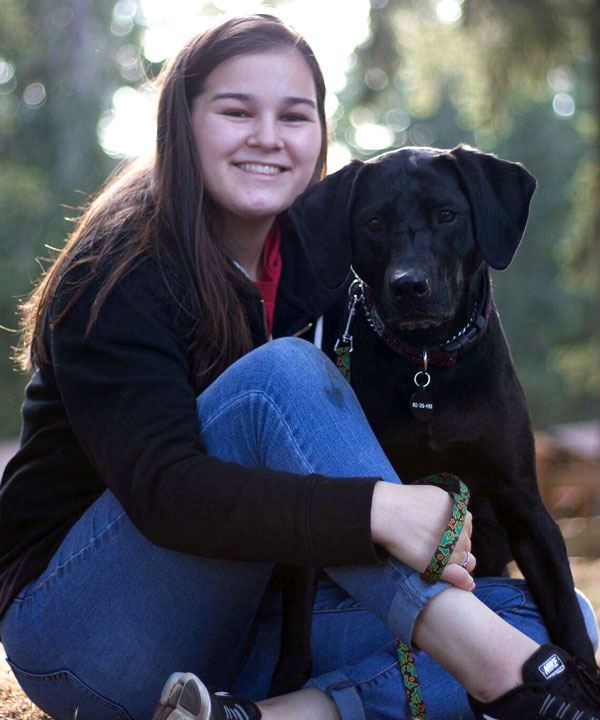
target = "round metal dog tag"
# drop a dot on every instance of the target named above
(421, 405)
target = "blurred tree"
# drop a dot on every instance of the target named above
(59, 66)
(520, 78)
(432, 72)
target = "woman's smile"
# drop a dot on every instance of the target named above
(257, 134)
(260, 168)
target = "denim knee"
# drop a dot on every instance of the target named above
(290, 355)
(293, 365)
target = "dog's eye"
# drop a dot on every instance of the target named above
(374, 224)
(446, 216)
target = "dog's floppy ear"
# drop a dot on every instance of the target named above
(500, 193)
(321, 216)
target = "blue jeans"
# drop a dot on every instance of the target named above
(113, 615)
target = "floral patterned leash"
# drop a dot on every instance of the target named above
(460, 495)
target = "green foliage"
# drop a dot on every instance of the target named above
(489, 79)
(63, 55)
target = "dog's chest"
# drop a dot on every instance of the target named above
(388, 394)
(452, 436)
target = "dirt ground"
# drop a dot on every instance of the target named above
(15, 706)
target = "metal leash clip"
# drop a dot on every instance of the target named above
(426, 376)
(355, 293)
(345, 344)
(421, 402)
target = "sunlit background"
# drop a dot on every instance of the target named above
(127, 128)
(516, 77)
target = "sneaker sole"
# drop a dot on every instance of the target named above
(184, 697)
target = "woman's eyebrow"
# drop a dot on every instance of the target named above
(291, 100)
(299, 101)
(232, 96)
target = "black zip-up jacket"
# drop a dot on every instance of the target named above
(116, 409)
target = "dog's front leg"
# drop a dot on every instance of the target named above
(539, 549)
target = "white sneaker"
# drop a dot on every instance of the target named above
(185, 697)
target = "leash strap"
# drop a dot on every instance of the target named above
(342, 360)
(412, 688)
(344, 345)
(452, 484)
(460, 495)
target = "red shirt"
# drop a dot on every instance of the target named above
(271, 272)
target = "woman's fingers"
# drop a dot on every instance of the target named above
(410, 520)
(464, 540)
(458, 576)
(468, 526)
(462, 561)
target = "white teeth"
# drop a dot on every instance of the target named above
(260, 169)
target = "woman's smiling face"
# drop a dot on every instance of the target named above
(257, 133)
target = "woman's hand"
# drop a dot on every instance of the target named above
(409, 521)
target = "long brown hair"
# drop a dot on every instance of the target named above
(159, 209)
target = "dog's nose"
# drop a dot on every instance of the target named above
(409, 285)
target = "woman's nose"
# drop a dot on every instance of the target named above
(265, 134)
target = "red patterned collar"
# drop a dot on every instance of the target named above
(444, 354)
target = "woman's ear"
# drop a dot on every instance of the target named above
(500, 193)
(321, 216)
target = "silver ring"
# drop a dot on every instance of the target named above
(427, 379)
(465, 562)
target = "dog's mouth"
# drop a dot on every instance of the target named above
(422, 322)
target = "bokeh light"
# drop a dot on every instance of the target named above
(128, 58)
(376, 78)
(362, 116)
(116, 131)
(448, 11)
(62, 16)
(561, 79)
(125, 11)
(34, 94)
(7, 71)
(421, 135)
(397, 119)
(169, 25)
(563, 105)
(123, 15)
(337, 156)
(373, 137)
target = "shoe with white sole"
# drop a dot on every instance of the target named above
(556, 687)
(186, 697)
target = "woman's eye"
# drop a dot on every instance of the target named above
(235, 113)
(374, 224)
(446, 216)
(294, 117)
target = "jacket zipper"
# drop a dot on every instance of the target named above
(304, 329)
(265, 323)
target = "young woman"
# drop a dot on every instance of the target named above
(171, 456)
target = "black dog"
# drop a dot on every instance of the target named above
(430, 363)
